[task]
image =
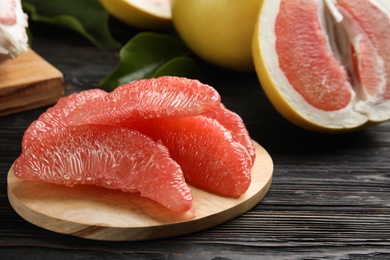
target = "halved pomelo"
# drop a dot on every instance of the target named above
(13, 36)
(205, 150)
(54, 117)
(148, 98)
(144, 14)
(320, 64)
(107, 156)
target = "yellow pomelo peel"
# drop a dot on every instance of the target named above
(218, 31)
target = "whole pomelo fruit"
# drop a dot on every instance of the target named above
(325, 65)
(143, 14)
(218, 31)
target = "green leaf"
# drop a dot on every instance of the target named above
(86, 17)
(181, 67)
(142, 56)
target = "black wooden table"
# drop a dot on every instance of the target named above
(329, 197)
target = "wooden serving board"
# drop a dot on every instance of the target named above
(28, 82)
(102, 214)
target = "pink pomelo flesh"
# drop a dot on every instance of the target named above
(205, 139)
(55, 116)
(150, 98)
(205, 150)
(306, 57)
(107, 156)
(234, 123)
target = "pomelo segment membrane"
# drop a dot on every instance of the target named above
(374, 20)
(107, 156)
(367, 66)
(54, 117)
(373, 59)
(149, 98)
(324, 63)
(205, 150)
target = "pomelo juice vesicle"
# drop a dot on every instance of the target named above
(107, 156)
(205, 150)
(54, 116)
(149, 98)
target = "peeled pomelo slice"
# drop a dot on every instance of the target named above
(144, 14)
(13, 36)
(149, 98)
(206, 151)
(107, 156)
(54, 117)
(307, 71)
(233, 123)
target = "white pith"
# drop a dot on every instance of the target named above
(14, 39)
(358, 111)
(159, 8)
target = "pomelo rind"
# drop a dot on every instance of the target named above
(290, 103)
(219, 31)
(136, 14)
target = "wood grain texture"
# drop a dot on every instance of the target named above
(28, 82)
(329, 197)
(103, 214)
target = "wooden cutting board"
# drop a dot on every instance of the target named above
(102, 214)
(28, 82)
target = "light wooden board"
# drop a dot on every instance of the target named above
(28, 82)
(102, 214)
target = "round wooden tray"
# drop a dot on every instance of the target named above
(102, 214)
